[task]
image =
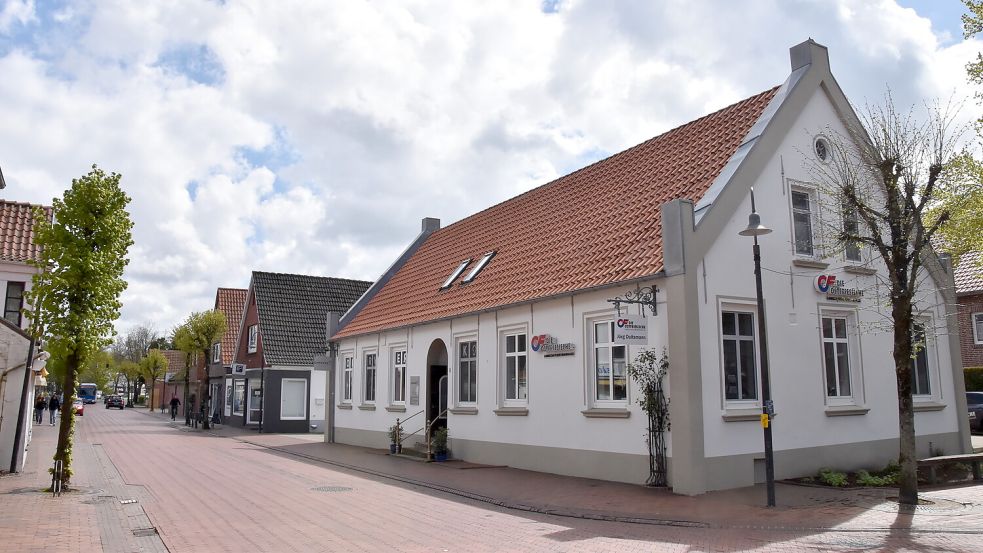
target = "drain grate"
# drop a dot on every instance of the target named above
(127, 501)
(145, 532)
(331, 489)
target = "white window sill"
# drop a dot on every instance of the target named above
(606, 413)
(512, 411)
(463, 411)
(344, 406)
(367, 407)
(742, 414)
(845, 410)
(921, 406)
(396, 408)
(809, 263)
(859, 270)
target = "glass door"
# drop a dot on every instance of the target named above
(255, 402)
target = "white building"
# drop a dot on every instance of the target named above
(472, 302)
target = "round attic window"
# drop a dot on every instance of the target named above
(822, 149)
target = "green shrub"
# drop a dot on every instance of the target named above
(865, 478)
(974, 379)
(832, 478)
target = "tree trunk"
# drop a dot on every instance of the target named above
(150, 404)
(203, 394)
(63, 451)
(907, 455)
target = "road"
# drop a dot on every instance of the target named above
(204, 493)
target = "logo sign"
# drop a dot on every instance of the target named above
(238, 368)
(631, 330)
(550, 346)
(834, 289)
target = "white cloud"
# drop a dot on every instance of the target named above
(331, 128)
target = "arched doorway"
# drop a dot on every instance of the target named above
(437, 383)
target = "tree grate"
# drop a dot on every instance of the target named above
(145, 532)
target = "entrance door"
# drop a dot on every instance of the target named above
(437, 395)
(255, 402)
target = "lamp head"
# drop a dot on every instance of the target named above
(754, 226)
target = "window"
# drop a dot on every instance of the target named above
(477, 268)
(610, 378)
(369, 378)
(516, 377)
(836, 356)
(920, 378)
(239, 397)
(978, 328)
(851, 225)
(740, 360)
(822, 149)
(457, 272)
(802, 208)
(293, 399)
(467, 365)
(253, 339)
(217, 352)
(399, 376)
(14, 302)
(346, 379)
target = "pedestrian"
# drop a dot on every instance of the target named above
(53, 405)
(174, 404)
(39, 405)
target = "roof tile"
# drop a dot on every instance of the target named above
(230, 301)
(17, 231)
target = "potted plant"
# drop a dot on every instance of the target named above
(395, 439)
(439, 444)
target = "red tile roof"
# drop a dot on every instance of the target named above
(597, 226)
(230, 301)
(17, 231)
(969, 273)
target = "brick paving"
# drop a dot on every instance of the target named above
(291, 493)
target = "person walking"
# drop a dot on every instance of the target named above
(53, 405)
(174, 405)
(39, 406)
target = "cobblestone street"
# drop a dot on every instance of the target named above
(204, 492)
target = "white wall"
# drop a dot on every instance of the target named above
(13, 352)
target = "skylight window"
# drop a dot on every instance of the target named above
(477, 268)
(457, 272)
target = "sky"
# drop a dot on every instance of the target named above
(313, 137)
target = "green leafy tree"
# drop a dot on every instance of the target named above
(199, 331)
(100, 369)
(972, 26)
(960, 198)
(133, 374)
(154, 365)
(75, 297)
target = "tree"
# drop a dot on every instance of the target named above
(154, 365)
(135, 344)
(100, 369)
(75, 296)
(879, 183)
(133, 373)
(199, 331)
(960, 196)
(972, 26)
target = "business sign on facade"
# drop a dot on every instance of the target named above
(238, 368)
(834, 289)
(631, 330)
(550, 346)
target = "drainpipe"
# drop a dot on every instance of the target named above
(262, 396)
(19, 430)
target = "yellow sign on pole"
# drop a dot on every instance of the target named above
(764, 420)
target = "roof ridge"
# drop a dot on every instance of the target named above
(14, 202)
(309, 276)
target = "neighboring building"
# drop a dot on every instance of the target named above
(283, 330)
(229, 301)
(969, 293)
(505, 317)
(173, 385)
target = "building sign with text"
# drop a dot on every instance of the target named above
(834, 289)
(550, 346)
(631, 330)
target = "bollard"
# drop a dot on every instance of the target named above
(56, 476)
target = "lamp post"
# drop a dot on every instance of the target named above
(756, 229)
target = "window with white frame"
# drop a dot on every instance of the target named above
(851, 226)
(516, 368)
(739, 355)
(609, 364)
(369, 377)
(253, 339)
(467, 372)
(836, 355)
(293, 399)
(921, 379)
(978, 328)
(346, 379)
(399, 376)
(803, 212)
(239, 397)
(216, 352)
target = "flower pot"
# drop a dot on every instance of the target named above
(440, 457)
(392, 449)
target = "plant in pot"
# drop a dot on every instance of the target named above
(439, 444)
(396, 438)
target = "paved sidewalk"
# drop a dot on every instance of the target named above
(91, 517)
(957, 509)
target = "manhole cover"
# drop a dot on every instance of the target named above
(331, 489)
(144, 532)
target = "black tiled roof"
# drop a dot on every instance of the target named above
(293, 312)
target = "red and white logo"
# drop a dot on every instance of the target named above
(825, 282)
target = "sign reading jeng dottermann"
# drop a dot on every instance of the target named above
(631, 330)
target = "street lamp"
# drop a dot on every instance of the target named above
(756, 229)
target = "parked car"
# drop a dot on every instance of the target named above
(78, 407)
(974, 403)
(114, 401)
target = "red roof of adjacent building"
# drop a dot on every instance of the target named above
(595, 227)
(230, 301)
(17, 231)
(969, 273)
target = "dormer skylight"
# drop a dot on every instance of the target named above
(457, 272)
(477, 268)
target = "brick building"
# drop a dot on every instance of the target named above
(969, 293)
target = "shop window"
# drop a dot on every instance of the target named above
(399, 377)
(239, 397)
(609, 364)
(346, 379)
(369, 377)
(803, 212)
(14, 302)
(921, 380)
(253, 339)
(739, 355)
(293, 399)
(516, 369)
(467, 372)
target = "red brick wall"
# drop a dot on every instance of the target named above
(251, 360)
(972, 353)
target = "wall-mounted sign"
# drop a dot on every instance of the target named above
(414, 390)
(631, 330)
(550, 346)
(238, 368)
(834, 289)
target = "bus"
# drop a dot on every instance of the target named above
(87, 392)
